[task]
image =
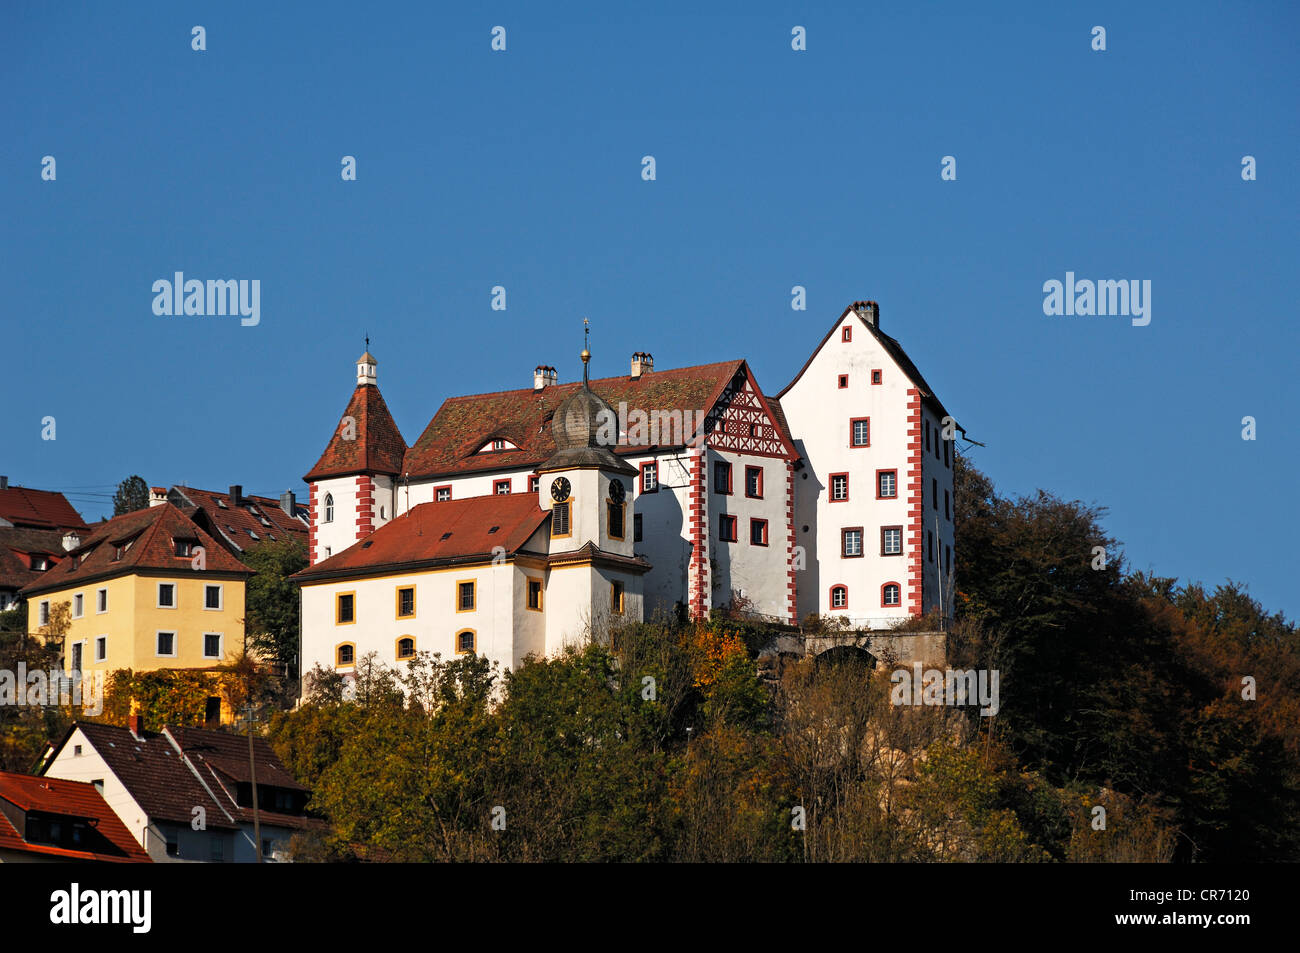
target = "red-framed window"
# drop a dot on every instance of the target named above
(877, 377)
(891, 540)
(442, 494)
(843, 381)
(758, 532)
(846, 333)
(726, 528)
(650, 477)
(722, 477)
(501, 487)
(534, 482)
(886, 484)
(839, 492)
(859, 431)
(891, 595)
(851, 542)
(754, 482)
(839, 597)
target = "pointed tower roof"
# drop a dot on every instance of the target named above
(366, 439)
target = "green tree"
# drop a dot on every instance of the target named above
(271, 601)
(132, 494)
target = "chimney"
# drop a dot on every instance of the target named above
(642, 363)
(4, 483)
(136, 724)
(289, 503)
(869, 311)
(71, 540)
(544, 376)
(236, 493)
(157, 496)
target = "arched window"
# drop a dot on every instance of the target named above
(345, 653)
(891, 594)
(329, 507)
(839, 597)
(466, 641)
(405, 648)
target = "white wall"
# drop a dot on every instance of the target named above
(819, 412)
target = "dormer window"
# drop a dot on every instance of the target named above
(496, 444)
(222, 503)
(40, 563)
(184, 547)
(253, 535)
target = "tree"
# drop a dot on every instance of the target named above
(271, 601)
(132, 494)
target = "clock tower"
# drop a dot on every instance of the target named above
(588, 491)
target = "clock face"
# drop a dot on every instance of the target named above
(616, 490)
(560, 490)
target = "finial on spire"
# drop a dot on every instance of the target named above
(586, 354)
(367, 341)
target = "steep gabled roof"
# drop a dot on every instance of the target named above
(233, 522)
(74, 800)
(376, 445)
(152, 533)
(38, 509)
(451, 441)
(168, 786)
(892, 348)
(436, 533)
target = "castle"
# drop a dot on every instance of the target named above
(516, 522)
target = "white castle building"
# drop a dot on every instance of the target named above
(520, 520)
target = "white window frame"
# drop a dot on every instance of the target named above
(176, 596)
(847, 536)
(175, 643)
(78, 605)
(101, 597)
(328, 507)
(221, 596)
(101, 640)
(886, 533)
(85, 644)
(43, 612)
(221, 645)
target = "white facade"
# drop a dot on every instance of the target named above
(839, 487)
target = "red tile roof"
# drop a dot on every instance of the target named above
(68, 799)
(431, 533)
(152, 533)
(233, 522)
(38, 509)
(377, 447)
(450, 444)
(17, 546)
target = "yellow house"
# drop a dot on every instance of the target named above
(147, 590)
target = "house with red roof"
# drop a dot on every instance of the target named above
(146, 590)
(37, 527)
(45, 820)
(237, 519)
(833, 497)
(503, 575)
(185, 794)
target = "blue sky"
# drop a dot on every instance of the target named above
(775, 168)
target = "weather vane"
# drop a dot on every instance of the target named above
(586, 354)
